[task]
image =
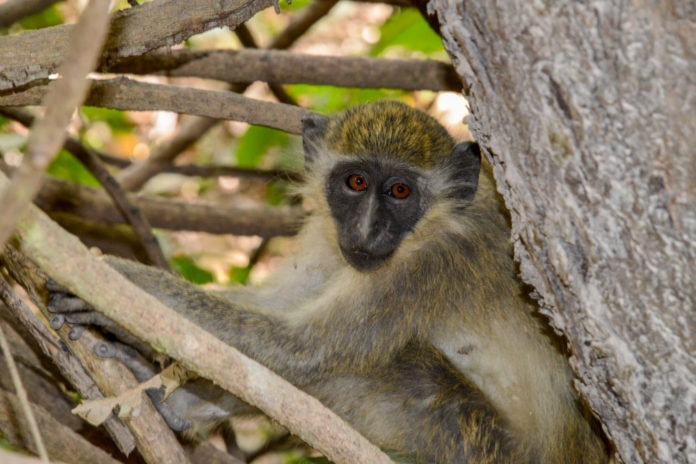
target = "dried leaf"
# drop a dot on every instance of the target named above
(129, 402)
(95, 411)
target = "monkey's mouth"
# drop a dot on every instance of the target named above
(363, 260)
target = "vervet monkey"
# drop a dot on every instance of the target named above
(402, 310)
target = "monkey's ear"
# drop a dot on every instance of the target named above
(313, 130)
(466, 157)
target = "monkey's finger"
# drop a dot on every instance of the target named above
(60, 303)
(137, 364)
(76, 332)
(57, 322)
(88, 318)
(53, 286)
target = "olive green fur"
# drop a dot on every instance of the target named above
(390, 130)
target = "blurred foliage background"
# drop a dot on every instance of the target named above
(351, 28)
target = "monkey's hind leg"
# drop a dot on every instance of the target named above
(422, 409)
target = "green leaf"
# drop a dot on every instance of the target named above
(256, 142)
(6, 445)
(188, 269)
(66, 166)
(276, 193)
(319, 460)
(407, 28)
(239, 274)
(117, 120)
(293, 5)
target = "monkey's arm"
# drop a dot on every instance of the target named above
(336, 331)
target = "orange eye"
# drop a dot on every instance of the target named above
(357, 182)
(400, 191)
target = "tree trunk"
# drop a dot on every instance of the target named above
(588, 110)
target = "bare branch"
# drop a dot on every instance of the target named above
(13, 10)
(63, 257)
(282, 67)
(91, 203)
(130, 212)
(23, 400)
(34, 55)
(126, 94)
(47, 134)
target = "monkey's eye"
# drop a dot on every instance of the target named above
(357, 182)
(400, 191)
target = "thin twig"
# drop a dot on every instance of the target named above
(130, 212)
(13, 10)
(48, 133)
(234, 171)
(247, 39)
(307, 19)
(22, 395)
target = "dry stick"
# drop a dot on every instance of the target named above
(155, 440)
(34, 55)
(193, 129)
(209, 170)
(65, 259)
(122, 93)
(47, 134)
(24, 401)
(13, 10)
(282, 67)
(130, 212)
(69, 366)
(234, 171)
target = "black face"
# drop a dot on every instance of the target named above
(375, 204)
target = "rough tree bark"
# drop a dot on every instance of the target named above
(589, 112)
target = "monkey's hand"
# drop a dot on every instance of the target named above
(70, 309)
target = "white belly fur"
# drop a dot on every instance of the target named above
(518, 371)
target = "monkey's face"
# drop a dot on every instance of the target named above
(375, 204)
